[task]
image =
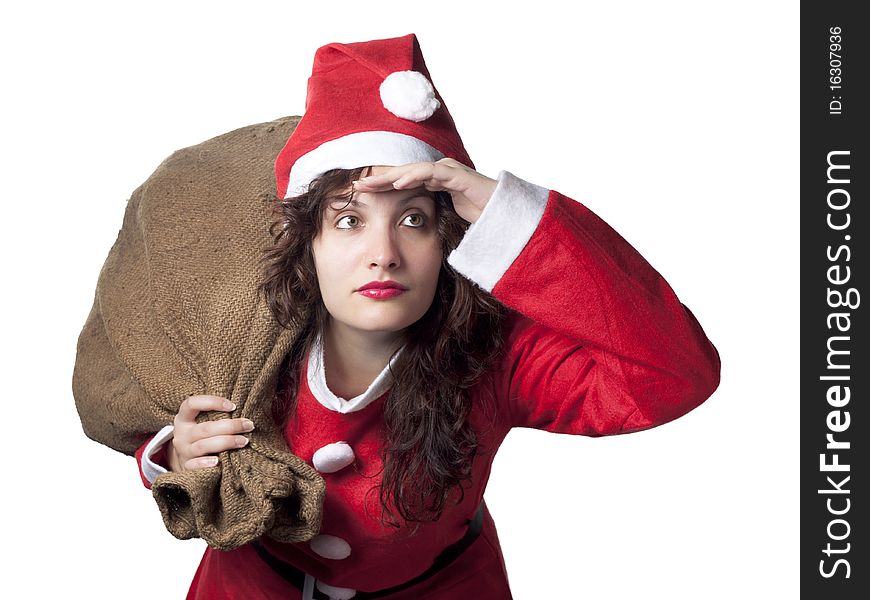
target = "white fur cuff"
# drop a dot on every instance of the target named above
(493, 242)
(151, 469)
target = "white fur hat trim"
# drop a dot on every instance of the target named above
(333, 457)
(330, 546)
(335, 593)
(409, 95)
(358, 150)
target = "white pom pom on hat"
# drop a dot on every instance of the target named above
(409, 95)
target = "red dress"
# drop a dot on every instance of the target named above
(597, 343)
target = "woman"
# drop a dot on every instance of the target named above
(439, 308)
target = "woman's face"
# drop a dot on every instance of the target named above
(387, 236)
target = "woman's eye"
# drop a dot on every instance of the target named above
(416, 220)
(353, 222)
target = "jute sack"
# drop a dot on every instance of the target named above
(176, 313)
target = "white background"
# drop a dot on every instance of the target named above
(676, 122)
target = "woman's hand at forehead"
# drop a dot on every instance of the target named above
(469, 189)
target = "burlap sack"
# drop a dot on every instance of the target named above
(176, 313)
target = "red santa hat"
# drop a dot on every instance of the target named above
(368, 103)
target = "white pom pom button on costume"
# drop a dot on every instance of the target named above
(333, 457)
(330, 546)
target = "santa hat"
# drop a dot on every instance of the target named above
(368, 103)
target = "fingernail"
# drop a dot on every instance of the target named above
(212, 461)
(248, 425)
(242, 442)
(229, 405)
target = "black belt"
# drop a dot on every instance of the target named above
(447, 556)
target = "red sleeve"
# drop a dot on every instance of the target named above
(158, 457)
(601, 344)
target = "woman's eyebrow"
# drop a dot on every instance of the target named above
(356, 203)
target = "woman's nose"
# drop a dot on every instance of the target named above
(383, 249)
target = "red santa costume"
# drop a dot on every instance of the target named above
(596, 343)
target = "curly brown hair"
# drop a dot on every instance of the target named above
(429, 446)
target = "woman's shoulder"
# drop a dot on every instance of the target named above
(526, 343)
(528, 348)
(522, 335)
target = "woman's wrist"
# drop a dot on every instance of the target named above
(171, 456)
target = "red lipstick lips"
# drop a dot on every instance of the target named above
(381, 289)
